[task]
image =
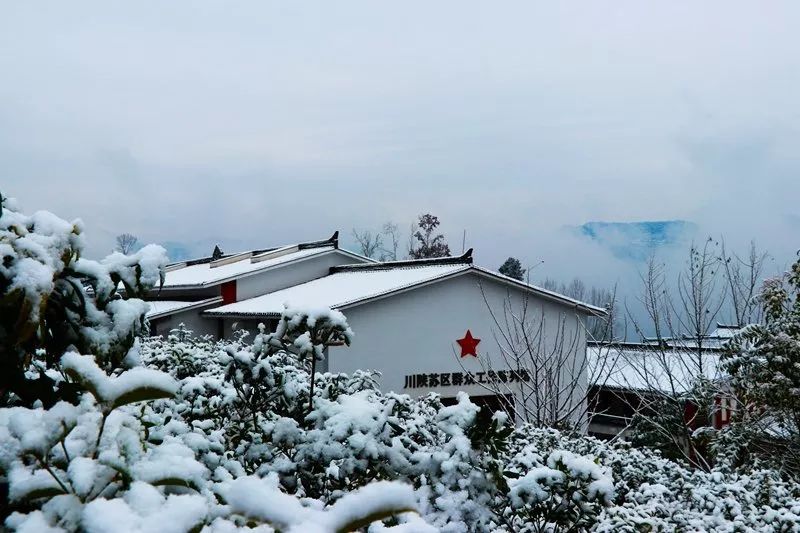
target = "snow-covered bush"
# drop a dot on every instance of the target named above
(105, 460)
(763, 362)
(107, 464)
(471, 471)
(184, 434)
(52, 299)
(652, 493)
(203, 459)
(253, 400)
(562, 490)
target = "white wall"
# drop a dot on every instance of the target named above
(415, 332)
(191, 319)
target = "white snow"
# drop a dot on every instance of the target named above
(259, 498)
(109, 389)
(145, 510)
(340, 289)
(170, 461)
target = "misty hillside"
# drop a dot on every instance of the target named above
(637, 240)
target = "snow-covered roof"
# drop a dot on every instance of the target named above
(213, 273)
(159, 308)
(639, 367)
(339, 289)
(552, 295)
(348, 285)
(725, 331)
(714, 340)
(208, 272)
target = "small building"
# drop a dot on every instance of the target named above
(433, 325)
(192, 286)
(627, 377)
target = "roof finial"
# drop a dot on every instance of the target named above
(217, 253)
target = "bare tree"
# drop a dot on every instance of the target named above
(599, 328)
(699, 299)
(126, 243)
(391, 231)
(541, 371)
(743, 277)
(369, 244)
(576, 289)
(550, 284)
(410, 243)
(670, 381)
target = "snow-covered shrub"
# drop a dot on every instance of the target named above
(105, 460)
(472, 472)
(52, 299)
(70, 458)
(562, 489)
(652, 493)
(104, 465)
(253, 400)
(763, 362)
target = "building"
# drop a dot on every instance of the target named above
(190, 287)
(432, 325)
(627, 376)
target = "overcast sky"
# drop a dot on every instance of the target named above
(260, 123)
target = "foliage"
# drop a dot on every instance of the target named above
(256, 396)
(52, 299)
(512, 268)
(763, 362)
(428, 243)
(469, 469)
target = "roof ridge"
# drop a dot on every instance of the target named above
(463, 259)
(332, 240)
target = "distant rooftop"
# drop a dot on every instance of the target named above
(641, 367)
(208, 271)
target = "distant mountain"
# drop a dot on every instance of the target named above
(637, 240)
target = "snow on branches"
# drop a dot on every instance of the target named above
(52, 299)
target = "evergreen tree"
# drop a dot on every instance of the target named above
(513, 269)
(428, 243)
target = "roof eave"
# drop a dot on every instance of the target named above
(548, 295)
(195, 305)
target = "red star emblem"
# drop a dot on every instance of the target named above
(468, 345)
